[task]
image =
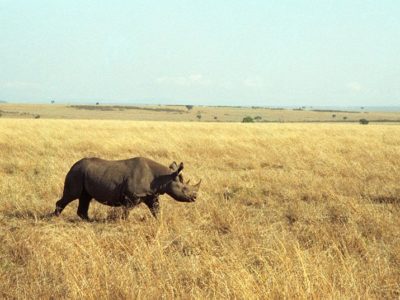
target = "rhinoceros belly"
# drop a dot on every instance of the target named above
(105, 189)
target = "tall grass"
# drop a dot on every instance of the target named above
(290, 211)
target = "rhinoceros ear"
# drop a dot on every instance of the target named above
(179, 169)
(173, 166)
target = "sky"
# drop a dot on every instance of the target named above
(220, 52)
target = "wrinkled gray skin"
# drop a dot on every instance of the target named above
(123, 183)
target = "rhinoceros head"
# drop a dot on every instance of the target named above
(178, 189)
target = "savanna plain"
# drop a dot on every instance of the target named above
(284, 211)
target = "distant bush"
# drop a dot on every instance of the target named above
(344, 118)
(364, 121)
(333, 116)
(257, 118)
(198, 117)
(248, 119)
(119, 108)
(37, 117)
(189, 107)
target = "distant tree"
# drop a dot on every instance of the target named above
(364, 121)
(258, 118)
(333, 116)
(344, 118)
(198, 117)
(52, 101)
(215, 118)
(248, 119)
(189, 107)
(37, 117)
(97, 103)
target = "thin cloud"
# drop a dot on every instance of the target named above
(253, 82)
(189, 80)
(20, 85)
(355, 86)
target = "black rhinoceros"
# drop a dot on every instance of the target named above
(123, 183)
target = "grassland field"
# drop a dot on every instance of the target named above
(195, 114)
(284, 211)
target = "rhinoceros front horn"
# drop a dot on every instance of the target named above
(197, 186)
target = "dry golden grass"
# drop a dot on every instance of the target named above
(289, 211)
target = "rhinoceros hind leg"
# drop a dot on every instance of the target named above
(83, 207)
(125, 213)
(62, 203)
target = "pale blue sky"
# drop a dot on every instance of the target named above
(201, 52)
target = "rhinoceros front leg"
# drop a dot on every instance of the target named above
(153, 204)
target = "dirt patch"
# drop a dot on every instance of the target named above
(386, 199)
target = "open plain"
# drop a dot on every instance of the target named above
(194, 114)
(284, 211)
